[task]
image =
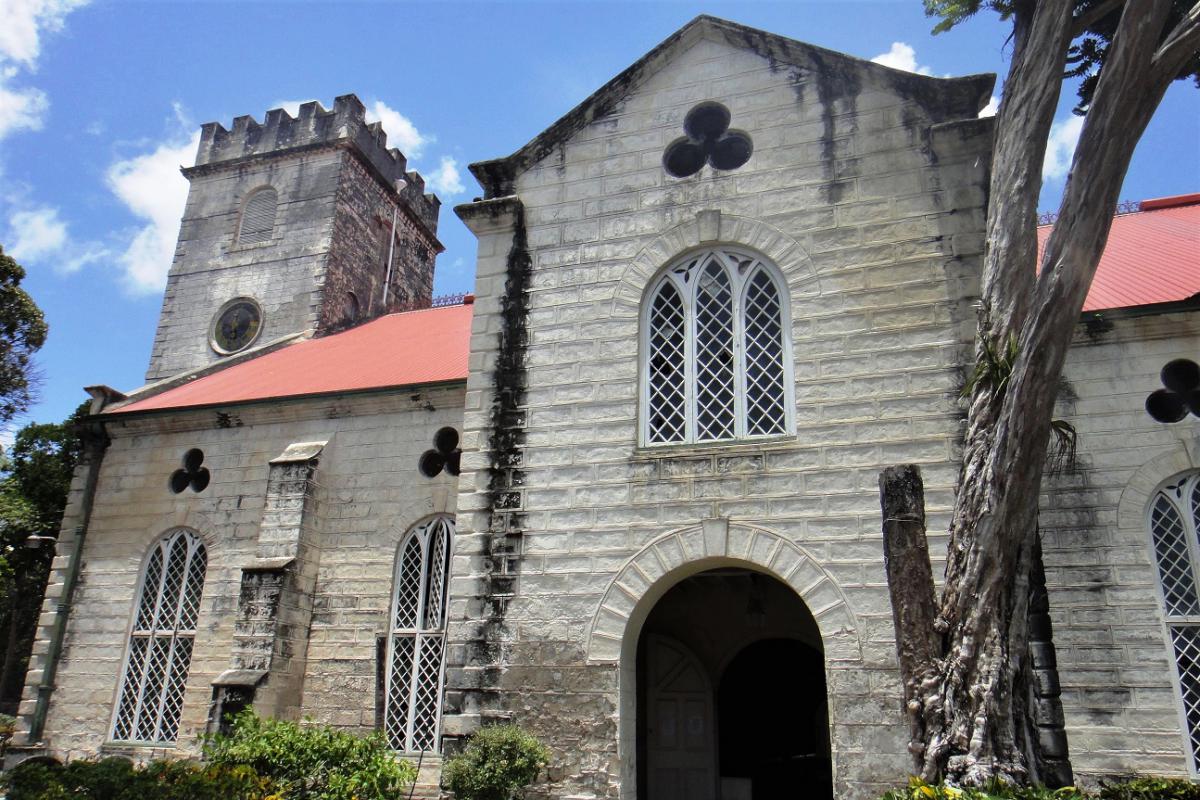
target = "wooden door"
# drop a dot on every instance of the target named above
(681, 757)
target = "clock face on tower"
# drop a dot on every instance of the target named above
(236, 326)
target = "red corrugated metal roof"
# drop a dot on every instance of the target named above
(1152, 256)
(407, 349)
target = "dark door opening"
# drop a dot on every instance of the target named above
(731, 693)
(773, 723)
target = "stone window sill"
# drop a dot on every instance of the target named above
(732, 447)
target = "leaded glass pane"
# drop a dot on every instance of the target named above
(1174, 560)
(765, 396)
(1186, 642)
(714, 354)
(666, 375)
(408, 585)
(160, 648)
(435, 587)
(413, 693)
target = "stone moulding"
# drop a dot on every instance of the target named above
(708, 227)
(715, 543)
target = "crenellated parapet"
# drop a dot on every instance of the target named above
(314, 126)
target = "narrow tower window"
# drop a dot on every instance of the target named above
(160, 642)
(417, 644)
(717, 354)
(258, 217)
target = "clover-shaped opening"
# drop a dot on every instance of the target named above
(445, 454)
(1181, 379)
(709, 140)
(192, 473)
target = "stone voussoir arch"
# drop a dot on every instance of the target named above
(714, 543)
(710, 227)
(1135, 497)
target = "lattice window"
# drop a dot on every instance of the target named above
(717, 354)
(258, 217)
(417, 642)
(160, 643)
(1175, 535)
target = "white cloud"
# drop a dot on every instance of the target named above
(22, 22)
(36, 234)
(400, 130)
(991, 108)
(1064, 135)
(40, 238)
(152, 189)
(446, 179)
(902, 56)
(20, 107)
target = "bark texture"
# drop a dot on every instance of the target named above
(910, 582)
(973, 703)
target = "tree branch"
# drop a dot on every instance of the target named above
(1090, 18)
(1181, 42)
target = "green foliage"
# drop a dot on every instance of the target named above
(1150, 789)
(993, 367)
(1131, 789)
(120, 779)
(22, 332)
(35, 478)
(498, 762)
(312, 762)
(1089, 47)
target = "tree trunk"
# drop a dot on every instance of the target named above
(973, 704)
(910, 582)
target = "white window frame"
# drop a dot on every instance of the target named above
(172, 634)
(740, 283)
(406, 738)
(1179, 492)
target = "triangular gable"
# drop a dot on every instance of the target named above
(943, 99)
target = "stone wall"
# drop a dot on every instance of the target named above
(874, 214)
(335, 180)
(358, 253)
(211, 267)
(1115, 663)
(368, 492)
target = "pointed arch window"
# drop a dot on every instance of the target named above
(161, 639)
(717, 351)
(1175, 536)
(417, 640)
(258, 217)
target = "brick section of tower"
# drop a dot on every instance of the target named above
(338, 189)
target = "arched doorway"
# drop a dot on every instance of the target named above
(731, 693)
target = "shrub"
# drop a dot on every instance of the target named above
(1145, 788)
(120, 779)
(1150, 789)
(496, 764)
(312, 762)
(920, 790)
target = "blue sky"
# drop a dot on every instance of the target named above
(100, 103)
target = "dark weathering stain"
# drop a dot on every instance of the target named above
(506, 476)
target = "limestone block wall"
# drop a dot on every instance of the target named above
(874, 215)
(370, 493)
(1120, 698)
(358, 253)
(211, 267)
(337, 185)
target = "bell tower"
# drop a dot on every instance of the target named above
(295, 224)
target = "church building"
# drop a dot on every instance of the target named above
(626, 492)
